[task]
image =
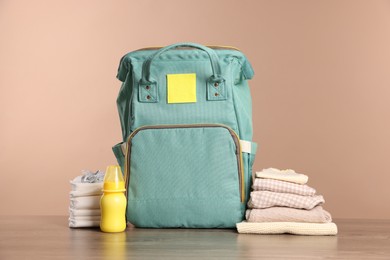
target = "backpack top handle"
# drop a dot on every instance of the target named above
(216, 68)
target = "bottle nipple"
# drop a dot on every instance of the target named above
(113, 179)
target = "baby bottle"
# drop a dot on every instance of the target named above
(113, 201)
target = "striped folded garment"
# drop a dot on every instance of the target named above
(283, 187)
(296, 228)
(267, 199)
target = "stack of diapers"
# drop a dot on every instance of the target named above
(85, 194)
(281, 202)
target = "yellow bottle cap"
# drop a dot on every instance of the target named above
(113, 179)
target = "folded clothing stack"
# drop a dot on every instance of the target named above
(85, 194)
(281, 202)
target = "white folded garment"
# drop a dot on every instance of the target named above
(83, 212)
(86, 187)
(296, 228)
(283, 175)
(84, 222)
(88, 202)
(83, 193)
(91, 218)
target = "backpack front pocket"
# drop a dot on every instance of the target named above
(184, 176)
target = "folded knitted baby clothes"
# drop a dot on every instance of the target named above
(284, 214)
(266, 199)
(283, 187)
(282, 175)
(281, 202)
(297, 228)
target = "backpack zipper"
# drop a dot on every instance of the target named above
(234, 135)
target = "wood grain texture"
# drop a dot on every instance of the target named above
(49, 237)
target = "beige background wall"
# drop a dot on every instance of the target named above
(321, 90)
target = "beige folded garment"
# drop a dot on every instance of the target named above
(83, 212)
(296, 228)
(283, 175)
(284, 214)
(283, 187)
(88, 202)
(84, 222)
(267, 199)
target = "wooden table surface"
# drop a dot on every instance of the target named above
(48, 237)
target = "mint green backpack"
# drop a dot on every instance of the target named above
(187, 150)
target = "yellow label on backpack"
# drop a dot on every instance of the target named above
(181, 88)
